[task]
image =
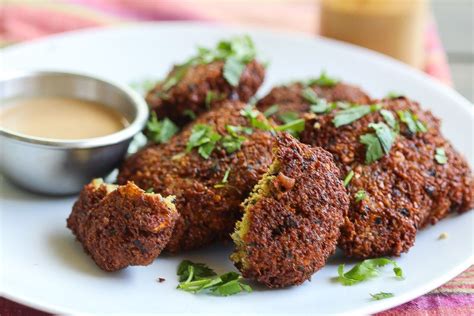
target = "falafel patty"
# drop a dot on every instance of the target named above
(403, 191)
(290, 98)
(121, 226)
(208, 191)
(193, 87)
(291, 219)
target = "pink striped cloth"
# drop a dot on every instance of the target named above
(22, 20)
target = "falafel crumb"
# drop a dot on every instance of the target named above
(442, 236)
(262, 189)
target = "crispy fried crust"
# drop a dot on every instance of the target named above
(121, 226)
(406, 189)
(292, 219)
(207, 213)
(190, 93)
(289, 98)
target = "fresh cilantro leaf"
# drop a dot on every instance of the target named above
(288, 117)
(198, 270)
(309, 95)
(374, 149)
(271, 110)
(204, 138)
(190, 114)
(176, 75)
(365, 270)
(322, 106)
(323, 81)
(234, 130)
(232, 143)
(360, 195)
(160, 131)
(389, 118)
(412, 122)
(252, 115)
(385, 135)
(393, 95)
(233, 69)
(149, 190)
(224, 180)
(294, 127)
(348, 178)
(354, 113)
(198, 277)
(440, 156)
(381, 296)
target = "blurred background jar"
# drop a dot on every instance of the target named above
(393, 27)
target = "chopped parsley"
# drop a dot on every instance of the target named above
(143, 86)
(385, 135)
(252, 115)
(224, 180)
(149, 190)
(309, 95)
(203, 137)
(381, 295)
(211, 96)
(294, 127)
(348, 178)
(288, 117)
(365, 270)
(389, 118)
(198, 277)
(190, 114)
(232, 143)
(440, 156)
(374, 150)
(322, 106)
(236, 54)
(234, 130)
(271, 110)
(323, 80)
(393, 95)
(360, 195)
(160, 131)
(414, 125)
(354, 113)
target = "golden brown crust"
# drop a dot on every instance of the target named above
(207, 213)
(190, 92)
(406, 190)
(124, 227)
(289, 98)
(295, 227)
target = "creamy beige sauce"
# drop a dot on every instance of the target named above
(60, 118)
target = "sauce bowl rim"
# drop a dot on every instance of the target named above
(135, 126)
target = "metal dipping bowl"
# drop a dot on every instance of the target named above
(61, 167)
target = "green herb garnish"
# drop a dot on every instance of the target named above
(203, 137)
(232, 143)
(385, 135)
(322, 106)
(414, 125)
(234, 130)
(236, 54)
(440, 156)
(354, 113)
(374, 150)
(190, 114)
(143, 86)
(252, 115)
(389, 118)
(323, 80)
(224, 180)
(309, 95)
(160, 131)
(149, 190)
(348, 178)
(288, 117)
(271, 110)
(294, 127)
(198, 277)
(393, 95)
(381, 296)
(365, 270)
(360, 195)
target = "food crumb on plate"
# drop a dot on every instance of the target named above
(443, 236)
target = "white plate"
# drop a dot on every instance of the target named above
(44, 267)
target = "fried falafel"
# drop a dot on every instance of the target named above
(208, 190)
(291, 98)
(229, 71)
(120, 226)
(403, 191)
(291, 219)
